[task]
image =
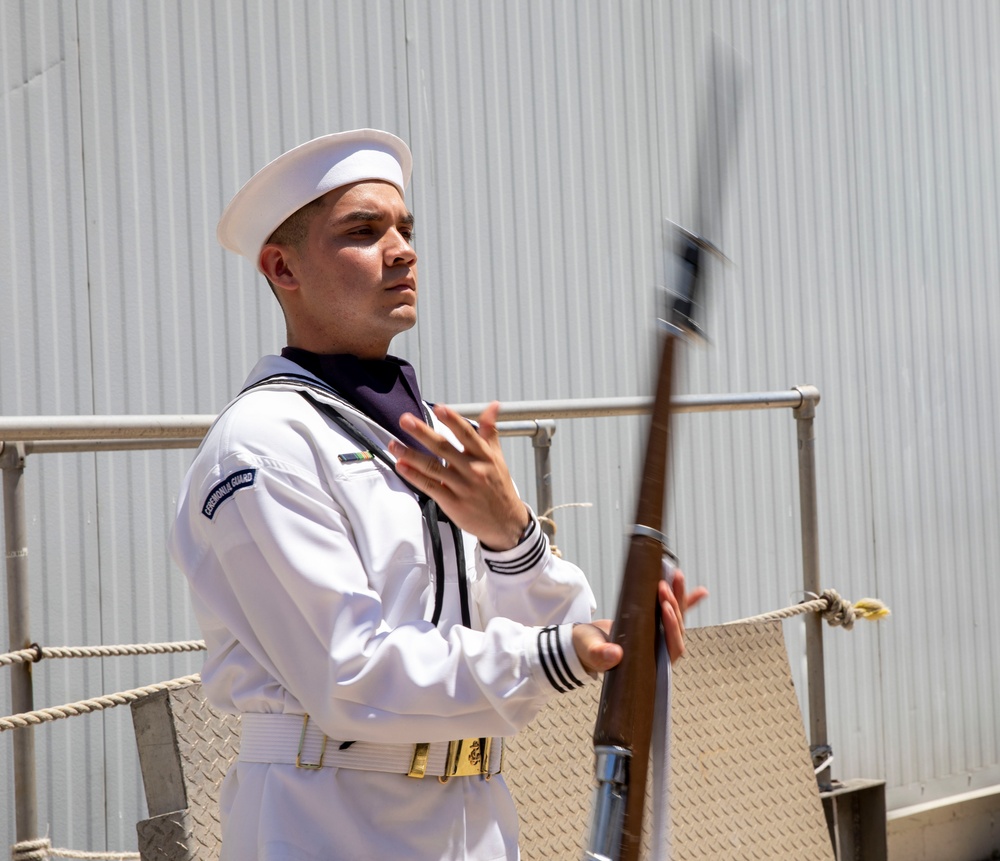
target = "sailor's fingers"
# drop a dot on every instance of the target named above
(485, 427)
(488, 424)
(673, 620)
(596, 652)
(685, 600)
(436, 443)
(475, 446)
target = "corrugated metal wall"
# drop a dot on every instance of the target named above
(552, 140)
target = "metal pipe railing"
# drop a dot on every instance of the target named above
(12, 461)
(192, 427)
(809, 520)
(21, 436)
(632, 406)
(35, 428)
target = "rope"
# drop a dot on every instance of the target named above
(86, 706)
(838, 611)
(35, 653)
(545, 520)
(30, 850)
(40, 850)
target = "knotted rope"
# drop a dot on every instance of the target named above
(836, 610)
(36, 653)
(41, 850)
(86, 706)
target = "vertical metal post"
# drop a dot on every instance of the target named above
(12, 456)
(804, 415)
(541, 441)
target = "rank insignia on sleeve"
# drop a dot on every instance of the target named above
(226, 488)
(355, 456)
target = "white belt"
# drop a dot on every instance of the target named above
(294, 740)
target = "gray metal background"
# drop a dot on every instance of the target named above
(552, 140)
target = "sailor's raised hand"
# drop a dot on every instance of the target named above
(472, 483)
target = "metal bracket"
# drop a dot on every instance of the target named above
(13, 455)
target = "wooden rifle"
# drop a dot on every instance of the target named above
(623, 731)
(624, 724)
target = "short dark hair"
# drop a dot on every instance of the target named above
(293, 230)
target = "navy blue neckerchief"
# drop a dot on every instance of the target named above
(431, 511)
(383, 389)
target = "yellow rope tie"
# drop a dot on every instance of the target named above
(841, 612)
(871, 609)
(838, 611)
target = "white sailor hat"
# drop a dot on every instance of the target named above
(304, 173)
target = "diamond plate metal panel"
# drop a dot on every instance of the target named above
(170, 837)
(178, 731)
(208, 745)
(742, 781)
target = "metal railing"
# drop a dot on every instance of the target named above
(23, 436)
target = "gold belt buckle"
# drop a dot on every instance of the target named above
(467, 757)
(418, 766)
(302, 740)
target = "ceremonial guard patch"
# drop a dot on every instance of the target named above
(226, 488)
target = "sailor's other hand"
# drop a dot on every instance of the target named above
(471, 482)
(674, 604)
(596, 652)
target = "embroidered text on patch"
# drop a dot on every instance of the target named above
(226, 488)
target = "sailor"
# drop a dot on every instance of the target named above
(378, 604)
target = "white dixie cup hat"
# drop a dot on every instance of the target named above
(303, 174)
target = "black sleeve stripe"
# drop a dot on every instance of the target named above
(551, 652)
(576, 683)
(536, 547)
(542, 647)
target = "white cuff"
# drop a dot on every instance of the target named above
(558, 660)
(521, 557)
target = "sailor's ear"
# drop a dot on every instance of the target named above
(279, 264)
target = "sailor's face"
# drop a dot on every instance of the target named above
(357, 271)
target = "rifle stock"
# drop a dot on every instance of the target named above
(623, 729)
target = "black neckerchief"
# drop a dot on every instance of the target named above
(383, 389)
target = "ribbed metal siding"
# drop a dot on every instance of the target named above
(45, 368)
(927, 87)
(551, 142)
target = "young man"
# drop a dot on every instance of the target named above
(377, 602)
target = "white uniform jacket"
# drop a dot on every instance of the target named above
(313, 580)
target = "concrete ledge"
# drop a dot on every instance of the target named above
(962, 827)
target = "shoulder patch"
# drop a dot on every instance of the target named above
(226, 488)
